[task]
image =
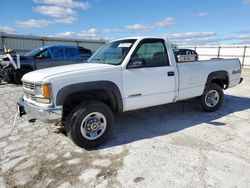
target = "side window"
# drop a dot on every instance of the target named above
(182, 52)
(194, 52)
(153, 53)
(44, 54)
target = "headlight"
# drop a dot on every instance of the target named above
(42, 93)
(39, 91)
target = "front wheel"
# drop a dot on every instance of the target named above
(18, 74)
(90, 124)
(212, 98)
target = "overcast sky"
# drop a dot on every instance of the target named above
(181, 21)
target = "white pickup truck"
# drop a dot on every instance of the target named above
(125, 74)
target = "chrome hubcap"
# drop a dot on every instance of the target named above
(212, 98)
(93, 125)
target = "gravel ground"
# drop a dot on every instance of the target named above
(175, 145)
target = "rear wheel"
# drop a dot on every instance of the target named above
(212, 98)
(90, 124)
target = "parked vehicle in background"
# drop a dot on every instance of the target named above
(124, 75)
(14, 66)
(185, 55)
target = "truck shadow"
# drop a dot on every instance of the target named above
(170, 118)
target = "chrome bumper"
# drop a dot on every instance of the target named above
(47, 115)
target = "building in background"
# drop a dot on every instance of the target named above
(24, 43)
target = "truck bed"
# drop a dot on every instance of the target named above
(193, 75)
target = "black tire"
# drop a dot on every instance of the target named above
(216, 99)
(74, 124)
(5, 76)
(18, 74)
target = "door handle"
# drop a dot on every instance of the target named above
(171, 73)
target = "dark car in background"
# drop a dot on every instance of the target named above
(14, 66)
(185, 55)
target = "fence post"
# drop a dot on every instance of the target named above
(218, 56)
(244, 55)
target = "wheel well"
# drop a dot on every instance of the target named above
(220, 78)
(223, 83)
(27, 67)
(102, 95)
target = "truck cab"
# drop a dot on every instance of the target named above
(154, 59)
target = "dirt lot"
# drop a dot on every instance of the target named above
(174, 145)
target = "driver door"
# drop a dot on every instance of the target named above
(152, 83)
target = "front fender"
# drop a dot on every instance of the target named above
(87, 86)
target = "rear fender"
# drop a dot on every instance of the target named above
(218, 75)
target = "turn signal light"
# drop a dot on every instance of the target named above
(46, 91)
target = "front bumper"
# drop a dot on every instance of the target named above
(47, 115)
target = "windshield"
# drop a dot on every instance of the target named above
(34, 52)
(112, 53)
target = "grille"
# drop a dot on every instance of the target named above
(28, 86)
(28, 90)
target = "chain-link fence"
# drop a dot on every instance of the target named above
(223, 51)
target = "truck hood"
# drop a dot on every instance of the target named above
(81, 68)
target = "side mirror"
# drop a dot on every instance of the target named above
(39, 56)
(138, 63)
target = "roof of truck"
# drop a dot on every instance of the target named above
(64, 51)
(140, 38)
(60, 45)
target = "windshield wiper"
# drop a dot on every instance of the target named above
(98, 60)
